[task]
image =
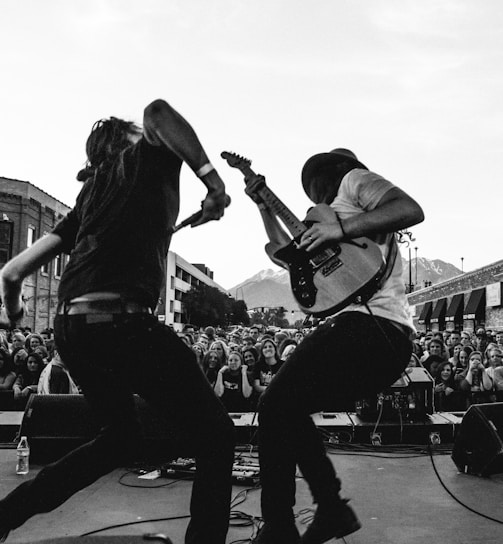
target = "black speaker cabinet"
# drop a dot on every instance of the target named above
(56, 424)
(478, 448)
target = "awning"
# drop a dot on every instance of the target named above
(475, 307)
(439, 310)
(455, 309)
(425, 312)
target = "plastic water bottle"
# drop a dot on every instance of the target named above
(23, 456)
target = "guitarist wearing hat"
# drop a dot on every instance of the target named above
(356, 354)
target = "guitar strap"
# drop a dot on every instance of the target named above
(390, 261)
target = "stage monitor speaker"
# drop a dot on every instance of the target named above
(478, 448)
(56, 424)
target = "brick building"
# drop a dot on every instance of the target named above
(465, 302)
(26, 214)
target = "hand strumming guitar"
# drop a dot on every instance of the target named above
(320, 233)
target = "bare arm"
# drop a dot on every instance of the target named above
(219, 383)
(17, 269)
(278, 237)
(396, 210)
(245, 384)
(165, 126)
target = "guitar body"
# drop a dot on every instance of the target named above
(327, 280)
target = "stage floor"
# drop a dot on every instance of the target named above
(398, 497)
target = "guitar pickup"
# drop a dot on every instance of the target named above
(332, 264)
(319, 259)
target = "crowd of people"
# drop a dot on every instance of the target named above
(240, 363)
(466, 367)
(29, 363)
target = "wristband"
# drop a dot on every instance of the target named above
(205, 169)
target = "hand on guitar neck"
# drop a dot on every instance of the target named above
(253, 185)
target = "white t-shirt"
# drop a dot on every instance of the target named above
(361, 191)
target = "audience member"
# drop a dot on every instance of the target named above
(222, 351)
(444, 387)
(205, 341)
(7, 374)
(18, 341)
(498, 378)
(298, 336)
(210, 333)
(198, 349)
(247, 342)
(432, 364)
(55, 379)
(232, 384)
(476, 379)
(267, 365)
(27, 380)
(414, 361)
(19, 357)
(481, 340)
(211, 366)
(494, 360)
(32, 341)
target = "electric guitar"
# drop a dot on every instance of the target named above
(329, 278)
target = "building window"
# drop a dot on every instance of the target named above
(170, 306)
(31, 236)
(172, 282)
(44, 269)
(6, 228)
(58, 266)
(178, 294)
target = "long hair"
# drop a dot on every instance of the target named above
(7, 367)
(108, 138)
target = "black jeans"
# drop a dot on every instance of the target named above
(351, 357)
(111, 362)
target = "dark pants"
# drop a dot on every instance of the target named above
(111, 361)
(353, 356)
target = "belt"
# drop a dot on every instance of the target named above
(102, 307)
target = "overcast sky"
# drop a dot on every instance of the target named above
(412, 87)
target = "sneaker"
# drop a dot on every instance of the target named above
(331, 522)
(271, 533)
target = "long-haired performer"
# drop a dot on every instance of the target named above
(118, 236)
(361, 350)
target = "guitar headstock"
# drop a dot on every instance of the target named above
(236, 161)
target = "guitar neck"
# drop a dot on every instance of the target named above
(294, 226)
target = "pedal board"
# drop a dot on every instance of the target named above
(243, 472)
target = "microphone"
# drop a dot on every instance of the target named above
(194, 217)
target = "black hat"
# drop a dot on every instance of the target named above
(322, 160)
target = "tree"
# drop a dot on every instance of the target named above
(239, 313)
(204, 305)
(270, 317)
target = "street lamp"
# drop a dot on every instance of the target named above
(416, 263)
(462, 259)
